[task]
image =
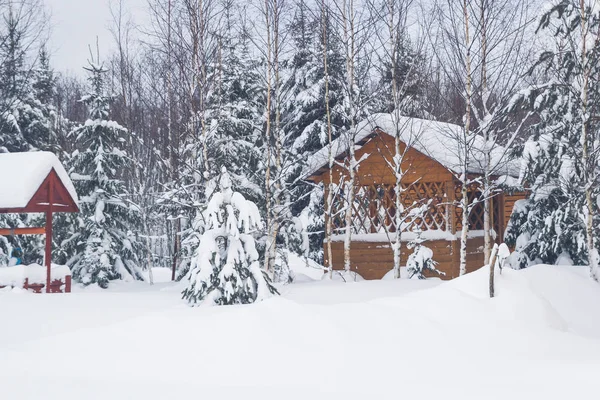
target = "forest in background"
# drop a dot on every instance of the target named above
(259, 86)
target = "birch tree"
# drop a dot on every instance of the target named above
(354, 25)
(484, 61)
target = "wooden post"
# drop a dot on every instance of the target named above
(451, 193)
(451, 207)
(49, 235)
(492, 269)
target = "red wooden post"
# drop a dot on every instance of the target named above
(68, 284)
(49, 235)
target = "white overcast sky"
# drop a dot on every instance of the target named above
(75, 25)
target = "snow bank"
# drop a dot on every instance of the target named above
(304, 269)
(420, 339)
(15, 276)
(21, 174)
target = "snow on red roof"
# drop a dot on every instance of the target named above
(21, 175)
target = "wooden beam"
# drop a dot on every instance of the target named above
(22, 231)
(49, 234)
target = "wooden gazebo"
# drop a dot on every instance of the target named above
(432, 163)
(36, 182)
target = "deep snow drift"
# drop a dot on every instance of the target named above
(539, 339)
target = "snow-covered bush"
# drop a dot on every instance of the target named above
(226, 268)
(421, 259)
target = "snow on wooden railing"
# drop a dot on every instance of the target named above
(33, 277)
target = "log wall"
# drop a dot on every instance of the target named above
(372, 260)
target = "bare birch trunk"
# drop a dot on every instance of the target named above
(588, 165)
(277, 209)
(487, 239)
(270, 243)
(397, 245)
(492, 264)
(465, 155)
(329, 189)
(174, 143)
(348, 26)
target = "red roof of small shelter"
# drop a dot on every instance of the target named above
(35, 182)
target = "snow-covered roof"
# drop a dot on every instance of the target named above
(21, 175)
(437, 140)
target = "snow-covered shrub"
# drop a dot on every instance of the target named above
(226, 268)
(421, 259)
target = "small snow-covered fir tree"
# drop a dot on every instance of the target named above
(226, 269)
(421, 259)
(103, 246)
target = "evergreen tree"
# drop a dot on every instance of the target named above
(233, 116)
(27, 119)
(103, 247)
(410, 82)
(421, 259)
(226, 269)
(304, 116)
(551, 224)
(235, 112)
(14, 83)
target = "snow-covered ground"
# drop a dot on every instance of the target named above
(539, 339)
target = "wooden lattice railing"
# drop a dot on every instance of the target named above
(374, 209)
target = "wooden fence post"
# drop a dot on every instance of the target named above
(68, 284)
(493, 268)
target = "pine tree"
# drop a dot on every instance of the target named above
(235, 111)
(421, 259)
(226, 269)
(14, 84)
(561, 161)
(410, 81)
(38, 120)
(304, 114)
(27, 118)
(103, 247)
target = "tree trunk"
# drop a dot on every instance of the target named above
(348, 24)
(329, 189)
(465, 155)
(588, 164)
(492, 265)
(270, 242)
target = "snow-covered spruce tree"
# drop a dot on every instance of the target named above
(104, 246)
(421, 259)
(404, 65)
(232, 115)
(561, 156)
(235, 110)
(226, 269)
(26, 120)
(315, 107)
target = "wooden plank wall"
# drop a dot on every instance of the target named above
(375, 169)
(509, 204)
(372, 260)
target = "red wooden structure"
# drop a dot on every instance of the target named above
(54, 194)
